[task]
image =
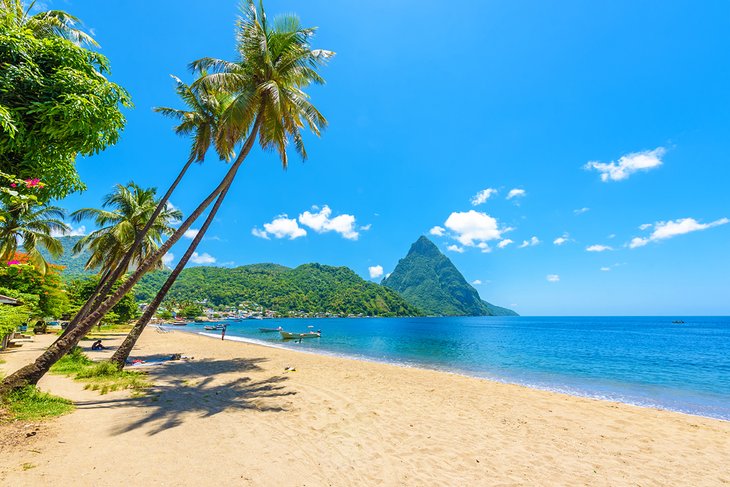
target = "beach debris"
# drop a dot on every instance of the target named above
(290, 369)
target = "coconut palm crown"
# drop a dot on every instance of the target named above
(276, 63)
(123, 215)
(33, 227)
(49, 23)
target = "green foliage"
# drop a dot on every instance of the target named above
(98, 376)
(72, 265)
(43, 293)
(164, 314)
(32, 226)
(191, 311)
(81, 289)
(30, 404)
(124, 214)
(310, 288)
(426, 278)
(55, 103)
(13, 316)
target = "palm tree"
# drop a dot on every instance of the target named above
(199, 121)
(123, 216)
(268, 102)
(33, 227)
(50, 23)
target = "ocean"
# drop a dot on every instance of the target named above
(646, 361)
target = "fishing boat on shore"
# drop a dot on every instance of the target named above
(179, 323)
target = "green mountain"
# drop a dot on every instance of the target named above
(74, 264)
(307, 289)
(428, 280)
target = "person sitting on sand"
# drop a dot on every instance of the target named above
(98, 346)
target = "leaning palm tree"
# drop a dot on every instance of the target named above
(34, 228)
(268, 103)
(199, 122)
(49, 23)
(123, 215)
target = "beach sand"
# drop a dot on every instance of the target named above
(234, 416)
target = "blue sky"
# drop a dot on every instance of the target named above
(430, 103)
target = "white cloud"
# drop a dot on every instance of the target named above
(605, 269)
(321, 222)
(580, 211)
(598, 248)
(645, 226)
(565, 238)
(70, 232)
(170, 206)
(485, 247)
(367, 227)
(375, 271)
(516, 193)
(613, 235)
(168, 258)
(204, 258)
(482, 196)
(438, 231)
(191, 233)
(637, 242)
(280, 227)
(259, 233)
(530, 243)
(504, 243)
(665, 230)
(628, 164)
(455, 248)
(476, 282)
(553, 278)
(472, 227)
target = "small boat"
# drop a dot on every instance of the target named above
(214, 327)
(678, 322)
(179, 323)
(269, 330)
(295, 336)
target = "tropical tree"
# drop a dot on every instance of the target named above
(199, 122)
(266, 86)
(49, 23)
(124, 214)
(268, 103)
(32, 226)
(49, 298)
(55, 101)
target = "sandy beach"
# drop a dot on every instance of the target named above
(234, 416)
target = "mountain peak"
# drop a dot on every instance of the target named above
(423, 246)
(428, 280)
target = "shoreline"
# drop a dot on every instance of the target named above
(272, 416)
(566, 390)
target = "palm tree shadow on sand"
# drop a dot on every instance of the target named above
(202, 387)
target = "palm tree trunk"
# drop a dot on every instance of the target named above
(122, 353)
(107, 281)
(32, 373)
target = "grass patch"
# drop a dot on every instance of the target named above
(99, 376)
(29, 404)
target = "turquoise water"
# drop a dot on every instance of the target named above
(643, 361)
